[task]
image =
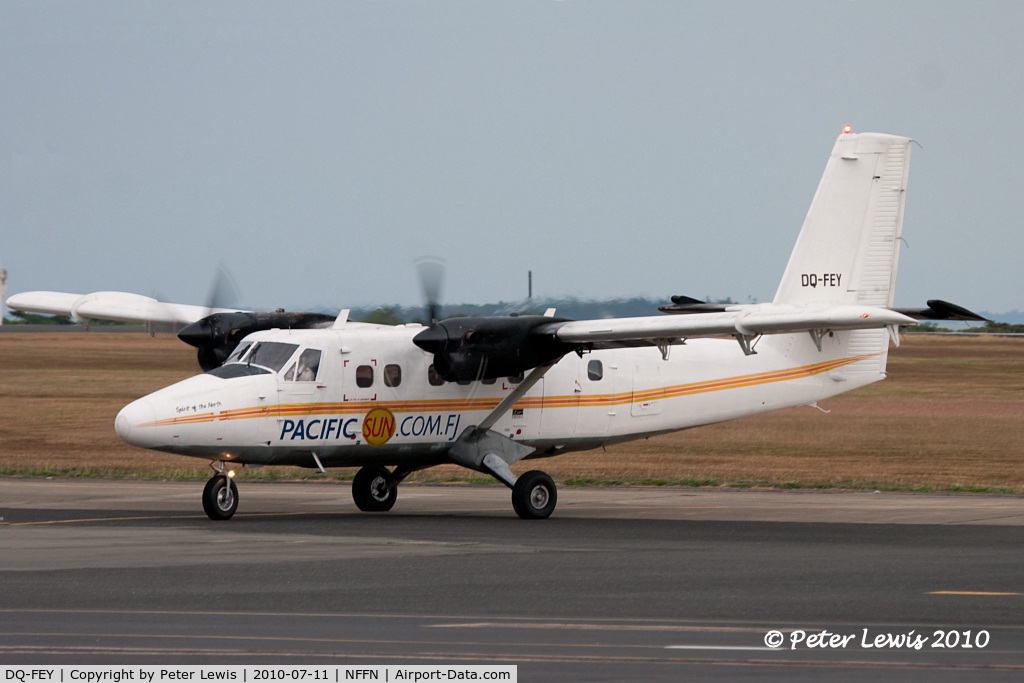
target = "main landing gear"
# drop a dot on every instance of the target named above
(534, 495)
(375, 489)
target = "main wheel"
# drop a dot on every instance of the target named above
(220, 497)
(372, 490)
(534, 495)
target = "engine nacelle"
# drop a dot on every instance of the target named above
(217, 335)
(468, 349)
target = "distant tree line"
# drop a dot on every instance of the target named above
(987, 328)
(22, 318)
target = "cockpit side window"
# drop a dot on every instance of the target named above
(309, 365)
(272, 355)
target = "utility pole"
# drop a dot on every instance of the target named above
(3, 293)
(529, 284)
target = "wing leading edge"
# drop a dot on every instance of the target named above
(747, 321)
(118, 306)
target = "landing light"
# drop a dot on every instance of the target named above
(231, 474)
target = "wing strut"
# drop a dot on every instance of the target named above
(480, 449)
(747, 342)
(817, 335)
(512, 398)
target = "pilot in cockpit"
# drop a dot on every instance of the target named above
(309, 363)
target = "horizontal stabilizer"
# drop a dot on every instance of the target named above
(687, 304)
(941, 310)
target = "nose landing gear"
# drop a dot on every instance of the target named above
(220, 495)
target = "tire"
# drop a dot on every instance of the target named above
(220, 498)
(534, 496)
(370, 490)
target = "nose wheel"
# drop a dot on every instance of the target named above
(220, 497)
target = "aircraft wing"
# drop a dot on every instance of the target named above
(937, 309)
(745, 321)
(465, 349)
(118, 306)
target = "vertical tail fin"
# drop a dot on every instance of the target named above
(848, 248)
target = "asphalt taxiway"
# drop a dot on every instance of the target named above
(620, 584)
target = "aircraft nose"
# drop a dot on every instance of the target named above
(128, 423)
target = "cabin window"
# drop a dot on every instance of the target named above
(516, 379)
(434, 378)
(392, 375)
(488, 380)
(364, 376)
(595, 370)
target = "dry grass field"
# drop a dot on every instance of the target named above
(949, 417)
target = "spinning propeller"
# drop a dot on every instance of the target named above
(431, 271)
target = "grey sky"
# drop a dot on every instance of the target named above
(613, 148)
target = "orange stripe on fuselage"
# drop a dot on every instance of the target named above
(471, 404)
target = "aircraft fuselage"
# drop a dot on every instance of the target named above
(374, 399)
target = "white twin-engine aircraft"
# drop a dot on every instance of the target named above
(317, 391)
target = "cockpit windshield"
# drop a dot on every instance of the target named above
(271, 355)
(239, 351)
(232, 370)
(256, 359)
